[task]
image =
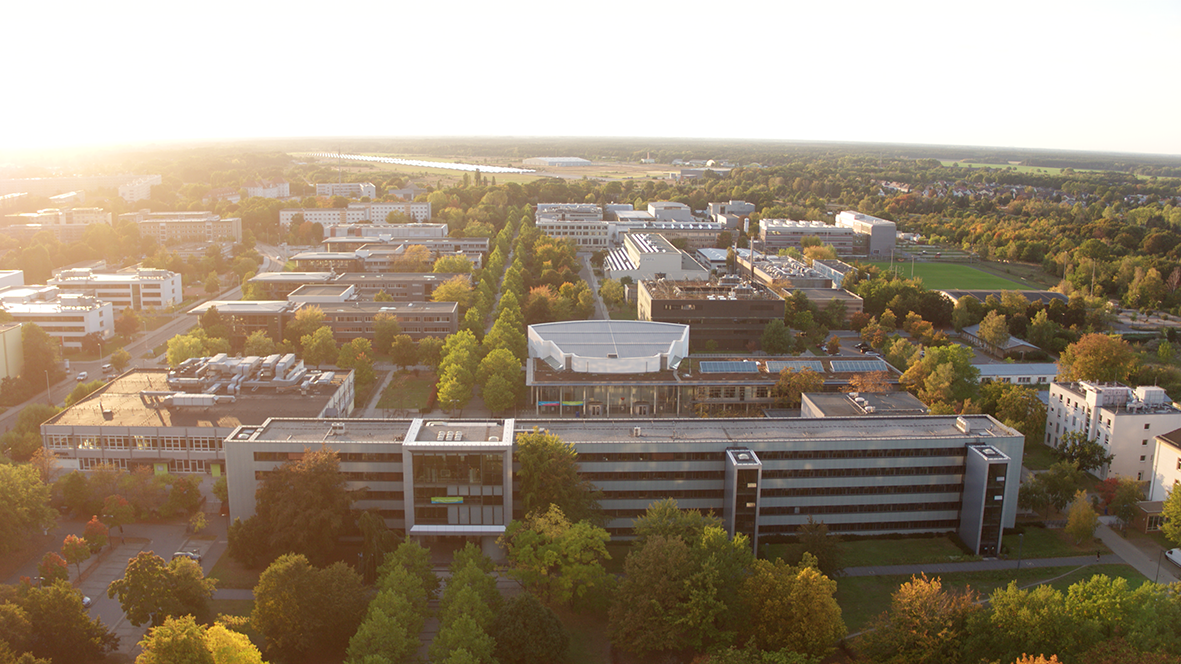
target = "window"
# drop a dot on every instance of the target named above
(1146, 426)
(1142, 457)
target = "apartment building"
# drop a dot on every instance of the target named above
(373, 213)
(1124, 420)
(270, 188)
(347, 189)
(67, 317)
(139, 289)
(170, 228)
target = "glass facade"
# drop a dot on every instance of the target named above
(458, 488)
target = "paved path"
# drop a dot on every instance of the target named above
(1160, 569)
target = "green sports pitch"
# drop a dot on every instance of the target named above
(940, 276)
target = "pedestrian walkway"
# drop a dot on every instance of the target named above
(982, 566)
(1159, 570)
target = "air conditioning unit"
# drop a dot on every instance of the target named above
(635, 432)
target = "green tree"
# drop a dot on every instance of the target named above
(178, 640)
(128, 323)
(307, 320)
(24, 506)
(307, 613)
(1075, 447)
(1097, 357)
(302, 507)
(383, 296)
(455, 387)
(1081, 519)
(612, 292)
(665, 518)
(457, 264)
(385, 329)
(825, 547)
(994, 330)
(83, 390)
(463, 635)
(117, 512)
(457, 289)
(120, 359)
(389, 632)
(403, 351)
(319, 347)
(558, 560)
(526, 631)
(62, 630)
(258, 344)
(358, 356)
(791, 607)
(41, 354)
(776, 338)
(430, 351)
(794, 383)
(945, 373)
(925, 624)
(1171, 513)
(152, 590)
(212, 283)
(549, 476)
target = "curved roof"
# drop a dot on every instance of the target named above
(610, 338)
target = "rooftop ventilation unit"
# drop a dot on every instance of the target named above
(635, 432)
(963, 425)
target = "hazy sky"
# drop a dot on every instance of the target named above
(1072, 75)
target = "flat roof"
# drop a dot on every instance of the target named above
(275, 307)
(395, 276)
(601, 338)
(841, 404)
(705, 290)
(121, 398)
(292, 277)
(1015, 369)
(378, 307)
(320, 290)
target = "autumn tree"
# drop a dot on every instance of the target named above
(791, 607)
(53, 568)
(75, 551)
(1081, 519)
(792, 385)
(184, 640)
(994, 330)
(869, 382)
(944, 374)
(1171, 514)
(95, 534)
(1097, 357)
(925, 624)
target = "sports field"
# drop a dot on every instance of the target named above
(938, 276)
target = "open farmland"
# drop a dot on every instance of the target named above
(939, 276)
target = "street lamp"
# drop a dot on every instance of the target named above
(1158, 557)
(48, 396)
(1020, 544)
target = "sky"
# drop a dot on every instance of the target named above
(1075, 75)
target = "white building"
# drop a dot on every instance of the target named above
(140, 289)
(779, 234)
(170, 228)
(558, 162)
(268, 189)
(881, 233)
(138, 189)
(644, 257)
(738, 208)
(1166, 466)
(347, 189)
(670, 211)
(569, 211)
(1037, 374)
(590, 235)
(356, 213)
(1122, 419)
(67, 317)
(66, 224)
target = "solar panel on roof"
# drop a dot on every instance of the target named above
(728, 367)
(775, 366)
(859, 366)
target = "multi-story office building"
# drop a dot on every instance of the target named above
(1124, 420)
(879, 234)
(779, 234)
(764, 477)
(569, 212)
(695, 234)
(67, 317)
(833, 269)
(372, 214)
(728, 315)
(402, 286)
(272, 188)
(372, 258)
(181, 227)
(651, 257)
(438, 246)
(66, 224)
(591, 235)
(1166, 469)
(670, 211)
(141, 289)
(12, 350)
(139, 188)
(175, 420)
(347, 189)
(740, 209)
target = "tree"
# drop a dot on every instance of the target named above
(389, 632)
(665, 518)
(549, 476)
(457, 264)
(776, 338)
(1020, 407)
(75, 551)
(319, 347)
(358, 356)
(212, 283)
(793, 383)
(120, 359)
(383, 296)
(83, 390)
(462, 640)
(994, 330)
(1058, 484)
(305, 612)
(526, 631)
(385, 330)
(833, 346)
(95, 534)
(307, 320)
(258, 344)
(558, 560)
(873, 382)
(1075, 447)
(1081, 519)
(177, 640)
(825, 547)
(455, 387)
(1097, 357)
(612, 292)
(791, 607)
(925, 624)
(653, 585)
(197, 343)
(1126, 497)
(62, 630)
(117, 512)
(403, 351)
(945, 373)
(24, 506)
(152, 590)
(128, 323)
(430, 351)
(457, 289)
(52, 568)
(184, 496)
(302, 507)
(1171, 513)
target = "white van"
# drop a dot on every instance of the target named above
(108, 368)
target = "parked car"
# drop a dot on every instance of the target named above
(82, 377)
(108, 368)
(86, 602)
(1174, 556)
(191, 555)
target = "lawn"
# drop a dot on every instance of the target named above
(864, 597)
(867, 552)
(1049, 543)
(407, 391)
(938, 276)
(232, 574)
(624, 313)
(1039, 456)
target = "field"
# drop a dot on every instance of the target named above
(1016, 167)
(939, 276)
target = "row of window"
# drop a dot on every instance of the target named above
(862, 472)
(174, 465)
(860, 509)
(860, 490)
(142, 443)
